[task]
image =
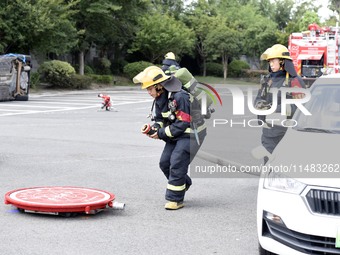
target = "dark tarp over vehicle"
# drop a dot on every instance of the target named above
(14, 77)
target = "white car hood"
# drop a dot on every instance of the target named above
(299, 150)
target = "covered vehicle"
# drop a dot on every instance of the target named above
(298, 204)
(14, 77)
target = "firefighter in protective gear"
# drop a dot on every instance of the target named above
(281, 74)
(106, 102)
(170, 55)
(173, 126)
(169, 64)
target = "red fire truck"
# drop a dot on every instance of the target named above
(315, 51)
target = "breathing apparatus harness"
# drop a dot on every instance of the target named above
(266, 82)
(189, 86)
(172, 106)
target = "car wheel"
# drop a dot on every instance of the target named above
(264, 252)
(21, 97)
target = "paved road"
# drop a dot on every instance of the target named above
(66, 139)
(49, 102)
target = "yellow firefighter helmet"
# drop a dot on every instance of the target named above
(150, 76)
(276, 51)
(170, 55)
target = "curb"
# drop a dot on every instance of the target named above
(50, 91)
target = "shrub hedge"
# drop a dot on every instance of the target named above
(57, 73)
(214, 69)
(102, 79)
(80, 81)
(235, 68)
(252, 75)
(34, 79)
(132, 69)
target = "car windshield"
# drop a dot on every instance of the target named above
(324, 106)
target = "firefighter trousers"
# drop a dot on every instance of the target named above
(271, 137)
(174, 163)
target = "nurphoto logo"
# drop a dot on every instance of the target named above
(238, 108)
(210, 91)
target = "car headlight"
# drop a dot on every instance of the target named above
(280, 182)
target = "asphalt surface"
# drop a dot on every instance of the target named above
(65, 139)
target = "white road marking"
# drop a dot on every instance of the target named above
(62, 103)
(13, 110)
(32, 106)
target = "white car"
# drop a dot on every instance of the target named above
(298, 204)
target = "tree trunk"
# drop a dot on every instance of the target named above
(81, 62)
(204, 67)
(225, 65)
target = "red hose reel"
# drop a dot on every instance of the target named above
(61, 200)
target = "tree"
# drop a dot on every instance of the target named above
(283, 13)
(265, 8)
(93, 21)
(199, 17)
(224, 42)
(173, 8)
(107, 25)
(334, 5)
(304, 14)
(308, 18)
(41, 25)
(256, 32)
(159, 34)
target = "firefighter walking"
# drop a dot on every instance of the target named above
(281, 74)
(173, 125)
(169, 63)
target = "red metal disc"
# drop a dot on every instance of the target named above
(59, 199)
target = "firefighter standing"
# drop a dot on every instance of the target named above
(169, 64)
(172, 125)
(281, 74)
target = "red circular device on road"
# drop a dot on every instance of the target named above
(60, 199)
